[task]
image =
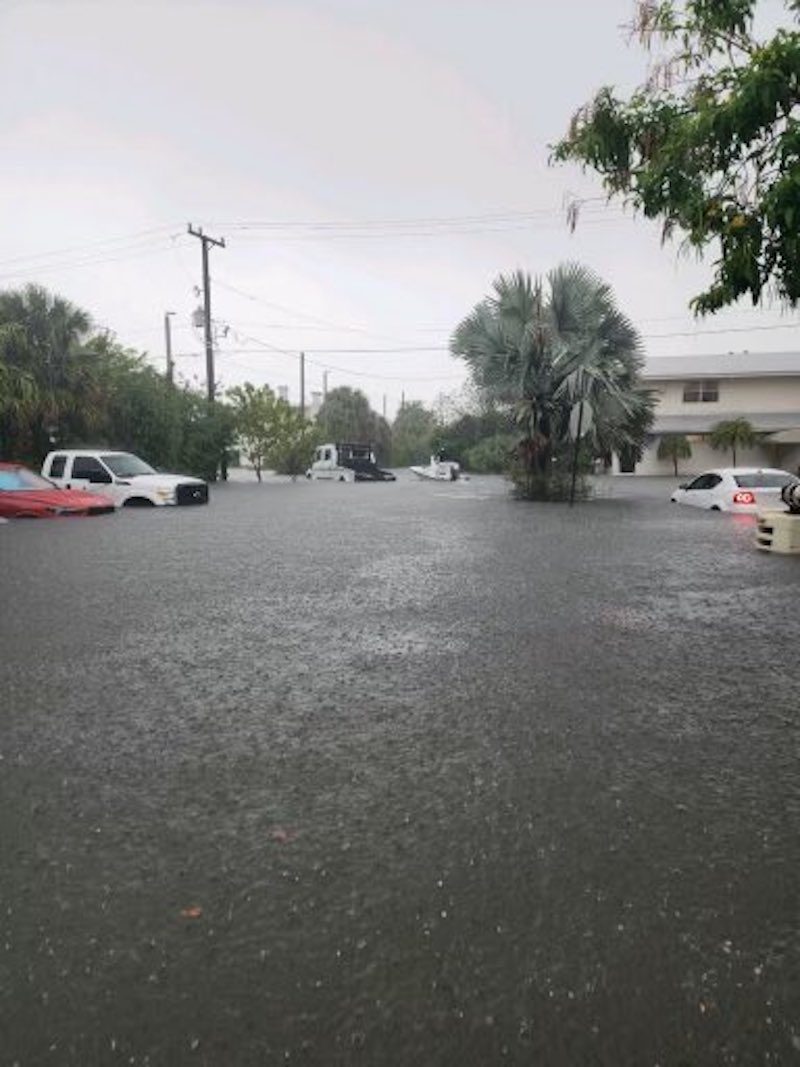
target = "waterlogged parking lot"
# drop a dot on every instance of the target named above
(399, 774)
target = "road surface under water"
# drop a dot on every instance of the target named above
(401, 774)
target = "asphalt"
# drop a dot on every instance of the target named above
(399, 774)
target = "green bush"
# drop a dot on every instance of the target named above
(492, 455)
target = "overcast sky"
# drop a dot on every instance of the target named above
(371, 164)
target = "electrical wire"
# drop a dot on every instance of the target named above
(118, 256)
(137, 235)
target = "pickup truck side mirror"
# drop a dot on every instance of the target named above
(684, 485)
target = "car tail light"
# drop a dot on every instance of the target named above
(744, 498)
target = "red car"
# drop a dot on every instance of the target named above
(25, 495)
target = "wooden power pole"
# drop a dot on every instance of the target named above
(209, 339)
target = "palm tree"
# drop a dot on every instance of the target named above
(43, 335)
(674, 446)
(732, 434)
(563, 357)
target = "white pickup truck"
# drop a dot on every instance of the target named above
(128, 480)
(347, 463)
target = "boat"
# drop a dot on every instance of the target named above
(440, 470)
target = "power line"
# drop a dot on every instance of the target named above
(412, 221)
(399, 349)
(296, 354)
(462, 231)
(318, 321)
(137, 235)
(595, 205)
(119, 256)
(725, 329)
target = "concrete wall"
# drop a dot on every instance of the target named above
(736, 396)
(705, 457)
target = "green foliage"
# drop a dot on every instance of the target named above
(61, 384)
(732, 434)
(563, 359)
(346, 415)
(710, 144)
(297, 438)
(209, 434)
(553, 487)
(258, 416)
(412, 434)
(467, 431)
(674, 446)
(492, 455)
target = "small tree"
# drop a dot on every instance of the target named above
(732, 434)
(259, 414)
(674, 446)
(297, 437)
(412, 433)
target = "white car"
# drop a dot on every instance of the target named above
(743, 489)
(128, 480)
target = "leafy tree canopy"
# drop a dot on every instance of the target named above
(61, 383)
(412, 434)
(732, 434)
(710, 143)
(346, 415)
(563, 358)
(270, 430)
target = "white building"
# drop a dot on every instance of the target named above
(695, 392)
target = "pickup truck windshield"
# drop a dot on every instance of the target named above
(126, 465)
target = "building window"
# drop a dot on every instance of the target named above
(701, 392)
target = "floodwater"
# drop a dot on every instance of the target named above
(399, 775)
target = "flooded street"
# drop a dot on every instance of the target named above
(399, 774)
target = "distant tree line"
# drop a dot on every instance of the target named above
(555, 382)
(63, 382)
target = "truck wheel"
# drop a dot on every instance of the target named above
(138, 502)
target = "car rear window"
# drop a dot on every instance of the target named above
(761, 480)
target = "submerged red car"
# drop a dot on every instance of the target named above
(25, 495)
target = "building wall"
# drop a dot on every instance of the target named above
(736, 396)
(704, 457)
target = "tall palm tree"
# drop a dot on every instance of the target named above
(732, 434)
(563, 356)
(43, 335)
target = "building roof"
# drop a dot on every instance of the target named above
(724, 365)
(701, 422)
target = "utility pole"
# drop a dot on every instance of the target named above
(205, 242)
(168, 343)
(324, 385)
(402, 400)
(384, 406)
(302, 384)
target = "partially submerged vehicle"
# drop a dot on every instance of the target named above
(128, 480)
(347, 462)
(27, 495)
(440, 470)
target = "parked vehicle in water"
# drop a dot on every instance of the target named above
(347, 462)
(128, 480)
(440, 470)
(738, 489)
(27, 495)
